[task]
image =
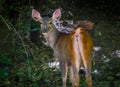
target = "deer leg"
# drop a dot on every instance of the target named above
(85, 52)
(74, 77)
(88, 76)
(86, 57)
(71, 75)
(64, 70)
(74, 73)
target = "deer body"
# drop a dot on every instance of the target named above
(72, 50)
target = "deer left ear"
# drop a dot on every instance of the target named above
(36, 15)
(56, 14)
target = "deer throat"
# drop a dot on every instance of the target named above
(53, 38)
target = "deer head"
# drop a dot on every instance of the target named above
(47, 25)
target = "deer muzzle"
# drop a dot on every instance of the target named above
(44, 30)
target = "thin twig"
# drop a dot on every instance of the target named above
(19, 38)
(5, 22)
(11, 27)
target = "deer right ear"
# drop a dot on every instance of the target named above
(56, 14)
(36, 15)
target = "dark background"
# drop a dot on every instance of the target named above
(24, 59)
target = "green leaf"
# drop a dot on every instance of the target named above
(4, 59)
(3, 73)
(20, 73)
(99, 33)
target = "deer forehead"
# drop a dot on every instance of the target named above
(46, 20)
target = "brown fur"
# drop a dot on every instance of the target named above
(64, 51)
(72, 50)
(84, 24)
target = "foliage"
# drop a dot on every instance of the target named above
(24, 59)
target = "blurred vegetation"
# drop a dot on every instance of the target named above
(24, 59)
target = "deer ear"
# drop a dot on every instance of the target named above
(36, 15)
(56, 14)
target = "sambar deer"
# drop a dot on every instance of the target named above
(72, 49)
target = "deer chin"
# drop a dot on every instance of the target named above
(48, 39)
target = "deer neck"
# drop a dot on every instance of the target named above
(53, 37)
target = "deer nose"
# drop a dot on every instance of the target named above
(44, 30)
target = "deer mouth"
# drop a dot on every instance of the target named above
(44, 30)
